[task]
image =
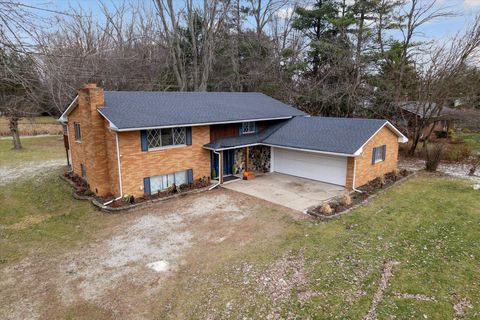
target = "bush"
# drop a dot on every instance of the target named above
(326, 209)
(184, 187)
(346, 200)
(433, 156)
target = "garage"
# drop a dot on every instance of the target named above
(310, 165)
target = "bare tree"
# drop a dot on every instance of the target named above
(190, 35)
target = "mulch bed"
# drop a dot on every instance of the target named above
(343, 204)
(110, 204)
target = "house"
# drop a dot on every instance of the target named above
(441, 119)
(136, 142)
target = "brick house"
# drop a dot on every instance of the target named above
(124, 142)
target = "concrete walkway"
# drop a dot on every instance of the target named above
(289, 191)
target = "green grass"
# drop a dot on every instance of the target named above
(34, 149)
(429, 224)
(472, 139)
(40, 214)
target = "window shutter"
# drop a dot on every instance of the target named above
(188, 132)
(384, 152)
(146, 185)
(373, 155)
(190, 176)
(143, 138)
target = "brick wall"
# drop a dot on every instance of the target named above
(96, 149)
(137, 164)
(365, 170)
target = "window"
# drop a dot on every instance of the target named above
(248, 127)
(159, 138)
(84, 171)
(78, 133)
(378, 154)
(159, 183)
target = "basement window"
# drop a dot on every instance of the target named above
(163, 182)
(161, 138)
(248, 127)
(78, 133)
(379, 153)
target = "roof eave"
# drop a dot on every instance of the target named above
(198, 124)
(401, 137)
(64, 117)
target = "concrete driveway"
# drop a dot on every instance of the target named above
(289, 191)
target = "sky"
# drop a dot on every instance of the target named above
(439, 29)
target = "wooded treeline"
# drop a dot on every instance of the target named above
(327, 57)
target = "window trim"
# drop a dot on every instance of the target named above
(254, 127)
(170, 146)
(77, 135)
(376, 158)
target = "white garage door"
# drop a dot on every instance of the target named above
(310, 165)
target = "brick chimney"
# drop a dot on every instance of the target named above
(93, 154)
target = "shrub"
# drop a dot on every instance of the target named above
(346, 200)
(433, 156)
(326, 209)
(128, 198)
(457, 152)
(184, 187)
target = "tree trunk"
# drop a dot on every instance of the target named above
(13, 124)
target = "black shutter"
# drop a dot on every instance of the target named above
(188, 132)
(146, 185)
(143, 138)
(384, 152)
(373, 155)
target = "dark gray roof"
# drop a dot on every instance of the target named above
(141, 109)
(337, 135)
(243, 140)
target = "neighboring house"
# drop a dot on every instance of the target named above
(136, 142)
(441, 121)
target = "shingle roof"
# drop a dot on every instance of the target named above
(140, 109)
(335, 135)
(425, 109)
(243, 140)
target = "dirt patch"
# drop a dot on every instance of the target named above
(460, 307)
(124, 270)
(382, 286)
(27, 170)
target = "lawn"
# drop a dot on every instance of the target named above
(271, 264)
(34, 149)
(430, 225)
(471, 138)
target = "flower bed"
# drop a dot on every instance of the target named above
(339, 205)
(109, 203)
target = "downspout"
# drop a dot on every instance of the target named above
(355, 175)
(119, 172)
(69, 149)
(219, 169)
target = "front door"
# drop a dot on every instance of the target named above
(228, 158)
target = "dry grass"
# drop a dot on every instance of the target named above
(32, 126)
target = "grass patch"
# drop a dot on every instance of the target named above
(34, 149)
(472, 139)
(428, 224)
(32, 126)
(40, 214)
